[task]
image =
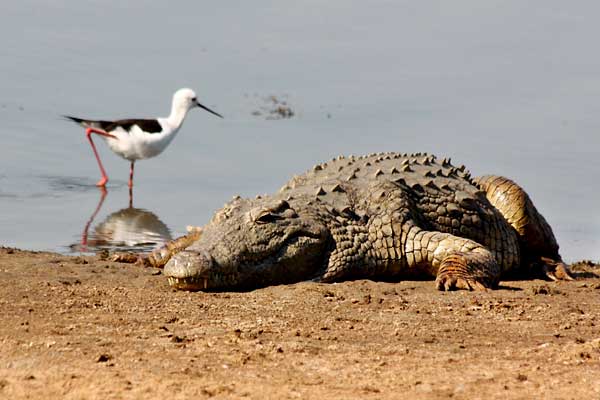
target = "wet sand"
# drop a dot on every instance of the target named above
(83, 327)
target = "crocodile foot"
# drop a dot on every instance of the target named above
(159, 257)
(130, 258)
(448, 281)
(462, 271)
(556, 270)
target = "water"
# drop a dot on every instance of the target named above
(507, 87)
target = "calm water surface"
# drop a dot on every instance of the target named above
(508, 87)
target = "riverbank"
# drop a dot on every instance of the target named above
(85, 327)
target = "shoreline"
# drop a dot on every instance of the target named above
(82, 327)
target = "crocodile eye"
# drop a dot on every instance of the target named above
(267, 218)
(279, 211)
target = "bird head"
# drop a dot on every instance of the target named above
(187, 99)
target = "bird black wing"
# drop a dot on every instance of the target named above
(147, 125)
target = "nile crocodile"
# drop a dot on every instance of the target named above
(383, 216)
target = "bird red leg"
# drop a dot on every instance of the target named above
(84, 235)
(131, 185)
(88, 132)
(131, 174)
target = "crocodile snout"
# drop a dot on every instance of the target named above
(188, 270)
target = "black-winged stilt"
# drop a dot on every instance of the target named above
(136, 139)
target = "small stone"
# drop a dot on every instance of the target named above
(521, 377)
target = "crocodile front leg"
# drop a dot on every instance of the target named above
(464, 264)
(458, 263)
(469, 271)
(159, 257)
(392, 244)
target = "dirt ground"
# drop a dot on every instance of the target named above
(84, 328)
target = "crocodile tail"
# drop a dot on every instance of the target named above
(535, 234)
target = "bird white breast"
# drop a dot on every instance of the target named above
(137, 144)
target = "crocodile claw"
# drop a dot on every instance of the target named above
(449, 282)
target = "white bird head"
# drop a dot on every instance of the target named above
(185, 99)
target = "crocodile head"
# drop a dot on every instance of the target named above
(254, 243)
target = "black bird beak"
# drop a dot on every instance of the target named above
(208, 109)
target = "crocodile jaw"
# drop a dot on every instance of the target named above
(297, 258)
(186, 271)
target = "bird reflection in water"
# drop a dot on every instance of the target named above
(127, 229)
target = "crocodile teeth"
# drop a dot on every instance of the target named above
(205, 283)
